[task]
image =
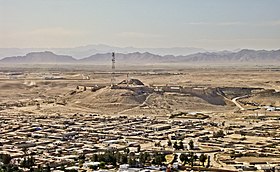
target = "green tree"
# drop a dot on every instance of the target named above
(118, 156)
(202, 159)
(23, 163)
(192, 158)
(48, 168)
(183, 157)
(28, 162)
(181, 145)
(94, 167)
(175, 145)
(142, 159)
(208, 162)
(95, 158)
(110, 158)
(9, 168)
(123, 159)
(169, 143)
(126, 150)
(147, 156)
(5, 158)
(62, 168)
(138, 148)
(102, 165)
(131, 162)
(39, 168)
(158, 159)
(191, 144)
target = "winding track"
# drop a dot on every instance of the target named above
(234, 100)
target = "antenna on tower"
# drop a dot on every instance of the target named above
(113, 79)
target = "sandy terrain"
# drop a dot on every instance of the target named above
(31, 88)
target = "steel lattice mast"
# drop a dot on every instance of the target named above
(113, 79)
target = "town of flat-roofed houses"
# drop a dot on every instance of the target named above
(132, 121)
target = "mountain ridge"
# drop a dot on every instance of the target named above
(88, 50)
(244, 56)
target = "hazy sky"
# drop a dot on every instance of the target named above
(210, 24)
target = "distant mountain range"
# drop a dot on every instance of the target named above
(245, 56)
(85, 51)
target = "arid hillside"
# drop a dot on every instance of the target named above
(163, 92)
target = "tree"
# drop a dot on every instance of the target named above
(138, 148)
(94, 167)
(31, 161)
(118, 156)
(131, 162)
(5, 158)
(191, 144)
(181, 145)
(123, 159)
(48, 168)
(208, 162)
(102, 165)
(126, 150)
(158, 159)
(110, 158)
(94, 157)
(175, 145)
(147, 156)
(187, 159)
(192, 158)
(39, 168)
(169, 143)
(183, 157)
(202, 159)
(9, 168)
(28, 163)
(23, 163)
(82, 158)
(141, 158)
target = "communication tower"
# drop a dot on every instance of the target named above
(113, 79)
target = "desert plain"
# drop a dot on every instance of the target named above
(242, 102)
